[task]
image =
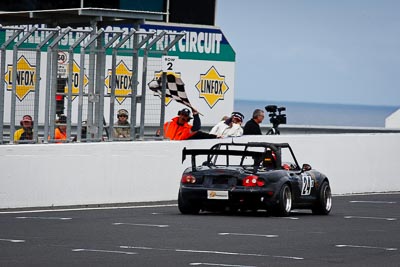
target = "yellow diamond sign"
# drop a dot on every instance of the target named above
(123, 82)
(26, 78)
(75, 80)
(212, 86)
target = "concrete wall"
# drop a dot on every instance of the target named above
(99, 173)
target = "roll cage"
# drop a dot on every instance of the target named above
(258, 151)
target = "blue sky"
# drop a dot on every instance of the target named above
(343, 51)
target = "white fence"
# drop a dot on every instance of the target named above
(100, 173)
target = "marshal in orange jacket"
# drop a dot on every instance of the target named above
(174, 131)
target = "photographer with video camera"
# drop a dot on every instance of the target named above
(252, 127)
(275, 119)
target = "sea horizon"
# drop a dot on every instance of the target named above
(324, 114)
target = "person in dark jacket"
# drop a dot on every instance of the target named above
(252, 127)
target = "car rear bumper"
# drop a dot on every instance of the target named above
(250, 197)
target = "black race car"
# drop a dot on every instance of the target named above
(250, 177)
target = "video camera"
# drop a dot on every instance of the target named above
(276, 119)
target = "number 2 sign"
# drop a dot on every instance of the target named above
(169, 63)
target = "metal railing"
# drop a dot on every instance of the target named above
(78, 73)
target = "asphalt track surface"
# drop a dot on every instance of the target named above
(362, 230)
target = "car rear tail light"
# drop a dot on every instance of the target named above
(260, 182)
(270, 193)
(253, 180)
(188, 179)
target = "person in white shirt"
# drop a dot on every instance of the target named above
(231, 127)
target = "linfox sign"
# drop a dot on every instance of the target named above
(26, 78)
(75, 80)
(123, 82)
(212, 86)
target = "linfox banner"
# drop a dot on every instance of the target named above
(205, 63)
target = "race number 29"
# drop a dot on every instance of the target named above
(169, 63)
(308, 184)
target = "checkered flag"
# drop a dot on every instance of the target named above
(175, 89)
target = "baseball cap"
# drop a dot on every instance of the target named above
(238, 115)
(62, 119)
(27, 118)
(185, 112)
(122, 112)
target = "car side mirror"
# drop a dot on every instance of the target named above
(306, 167)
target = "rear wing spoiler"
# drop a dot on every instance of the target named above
(210, 152)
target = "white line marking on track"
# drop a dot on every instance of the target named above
(290, 218)
(94, 208)
(45, 218)
(12, 240)
(103, 251)
(141, 224)
(214, 252)
(375, 202)
(218, 264)
(260, 235)
(366, 194)
(369, 247)
(372, 218)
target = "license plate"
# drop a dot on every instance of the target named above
(213, 194)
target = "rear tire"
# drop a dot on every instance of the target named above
(284, 205)
(324, 201)
(186, 207)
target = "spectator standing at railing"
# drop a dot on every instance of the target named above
(252, 127)
(26, 132)
(122, 129)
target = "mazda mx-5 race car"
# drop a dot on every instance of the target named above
(250, 177)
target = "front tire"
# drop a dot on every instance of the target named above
(324, 201)
(284, 205)
(186, 207)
